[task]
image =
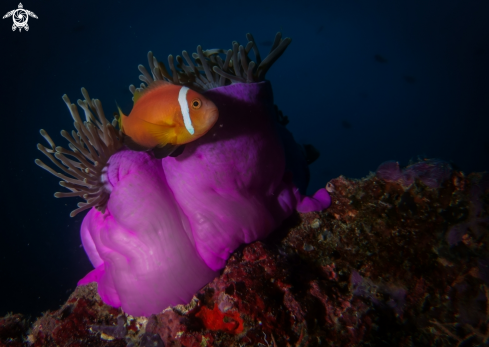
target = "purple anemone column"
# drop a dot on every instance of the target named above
(142, 247)
(231, 183)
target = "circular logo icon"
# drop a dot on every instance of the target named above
(20, 18)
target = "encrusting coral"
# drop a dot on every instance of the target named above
(375, 269)
(170, 223)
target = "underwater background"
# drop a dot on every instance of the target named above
(362, 81)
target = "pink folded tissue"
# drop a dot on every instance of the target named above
(171, 223)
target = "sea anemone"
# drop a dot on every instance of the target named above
(432, 172)
(95, 141)
(209, 70)
(170, 223)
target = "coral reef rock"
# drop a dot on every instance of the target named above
(385, 265)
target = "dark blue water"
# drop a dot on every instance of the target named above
(363, 81)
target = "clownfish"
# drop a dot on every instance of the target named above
(166, 116)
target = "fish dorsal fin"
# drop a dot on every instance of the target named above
(156, 84)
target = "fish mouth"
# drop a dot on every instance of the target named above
(210, 119)
(213, 116)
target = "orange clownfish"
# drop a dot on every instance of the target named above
(166, 116)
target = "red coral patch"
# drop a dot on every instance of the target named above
(214, 320)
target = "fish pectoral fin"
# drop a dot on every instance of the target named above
(162, 151)
(163, 134)
(129, 142)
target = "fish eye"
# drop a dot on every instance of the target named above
(196, 104)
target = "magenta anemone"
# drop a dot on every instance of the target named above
(166, 225)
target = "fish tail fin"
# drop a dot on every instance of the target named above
(119, 117)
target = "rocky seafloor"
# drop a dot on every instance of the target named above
(393, 262)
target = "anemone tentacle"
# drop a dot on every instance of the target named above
(92, 145)
(96, 139)
(209, 70)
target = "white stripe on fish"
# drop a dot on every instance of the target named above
(182, 100)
